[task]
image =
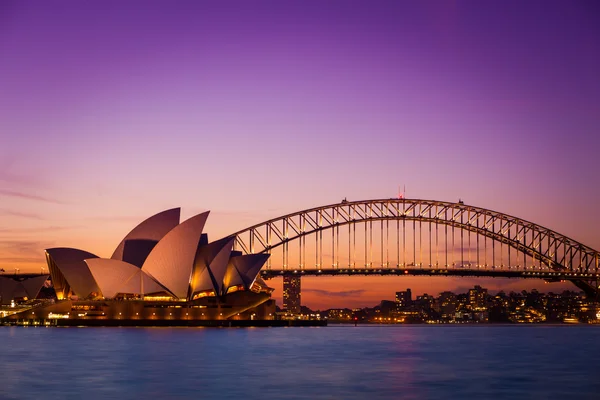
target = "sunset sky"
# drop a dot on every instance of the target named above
(112, 111)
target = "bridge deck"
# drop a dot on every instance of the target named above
(492, 273)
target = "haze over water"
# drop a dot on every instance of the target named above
(345, 362)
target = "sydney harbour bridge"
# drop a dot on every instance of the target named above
(417, 237)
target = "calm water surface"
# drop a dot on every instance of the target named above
(335, 362)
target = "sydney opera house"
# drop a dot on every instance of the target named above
(162, 271)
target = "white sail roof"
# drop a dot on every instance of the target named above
(232, 276)
(243, 269)
(210, 266)
(115, 276)
(249, 266)
(149, 231)
(33, 285)
(141, 283)
(73, 270)
(172, 259)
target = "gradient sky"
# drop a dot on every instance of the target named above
(112, 111)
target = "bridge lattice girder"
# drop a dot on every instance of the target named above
(551, 248)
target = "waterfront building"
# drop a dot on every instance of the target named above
(477, 298)
(447, 305)
(387, 308)
(403, 299)
(425, 302)
(161, 270)
(341, 314)
(292, 294)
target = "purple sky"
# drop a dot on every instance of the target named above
(110, 112)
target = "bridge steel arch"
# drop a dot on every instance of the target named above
(552, 249)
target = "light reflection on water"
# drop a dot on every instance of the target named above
(341, 362)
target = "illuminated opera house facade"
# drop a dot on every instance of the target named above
(163, 270)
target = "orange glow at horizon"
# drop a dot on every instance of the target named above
(23, 253)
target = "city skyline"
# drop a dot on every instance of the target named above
(112, 112)
(476, 305)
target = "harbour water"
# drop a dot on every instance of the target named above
(334, 362)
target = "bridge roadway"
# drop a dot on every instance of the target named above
(461, 272)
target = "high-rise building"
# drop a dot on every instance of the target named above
(425, 302)
(447, 305)
(403, 299)
(477, 297)
(291, 294)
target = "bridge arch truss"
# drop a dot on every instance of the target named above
(548, 249)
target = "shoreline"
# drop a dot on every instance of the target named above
(165, 323)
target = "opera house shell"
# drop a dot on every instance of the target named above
(162, 270)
